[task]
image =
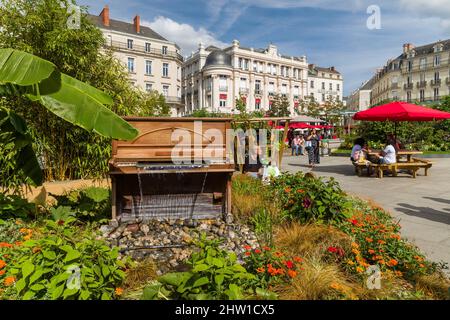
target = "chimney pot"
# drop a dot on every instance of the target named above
(105, 16)
(137, 24)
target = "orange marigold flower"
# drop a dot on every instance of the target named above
(392, 263)
(395, 236)
(300, 191)
(369, 239)
(18, 222)
(2, 263)
(278, 254)
(371, 251)
(381, 261)
(5, 245)
(261, 270)
(18, 243)
(422, 265)
(9, 281)
(355, 245)
(335, 286)
(355, 251)
(266, 248)
(287, 190)
(292, 273)
(118, 291)
(418, 258)
(27, 237)
(381, 241)
(359, 269)
(350, 262)
(298, 259)
(2, 272)
(23, 230)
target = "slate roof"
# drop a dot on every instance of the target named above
(125, 27)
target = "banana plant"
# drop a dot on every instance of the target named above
(39, 80)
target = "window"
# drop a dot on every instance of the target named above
(422, 77)
(241, 65)
(323, 97)
(271, 87)
(148, 87)
(148, 67)
(165, 91)
(282, 71)
(312, 84)
(338, 87)
(422, 95)
(164, 50)
(243, 85)
(436, 93)
(255, 66)
(331, 86)
(130, 64)
(130, 44)
(257, 86)
(257, 104)
(437, 60)
(223, 83)
(436, 76)
(147, 47)
(408, 96)
(323, 85)
(423, 63)
(260, 67)
(246, 64)
(165, 69)
(296, 91)
(274, 69)
(222, 103)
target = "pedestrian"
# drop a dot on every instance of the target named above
(313, 153)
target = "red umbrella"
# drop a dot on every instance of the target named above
(299, 125)
(401, 111)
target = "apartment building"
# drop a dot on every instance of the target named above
(153, 62)
(324, 83)
(360, 99)
(419, 74)
(213, 78)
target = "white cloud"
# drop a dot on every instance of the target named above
(429, 9)
(183, 34)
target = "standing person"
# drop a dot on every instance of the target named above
(295, 145)
(313, 153)
(301, 144)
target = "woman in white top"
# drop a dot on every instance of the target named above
(388, 155)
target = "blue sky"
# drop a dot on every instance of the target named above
(328, 32)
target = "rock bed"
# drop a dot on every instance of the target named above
(170, 242)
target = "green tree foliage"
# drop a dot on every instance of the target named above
(40, 27)
(280, 106)
(309, 106)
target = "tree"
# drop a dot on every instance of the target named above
(40, 27)
(279, 107)
(309, 106)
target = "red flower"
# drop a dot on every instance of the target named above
(332, 249)
(247, 247)
(247, 253)
(289, 264)
(267, 248)
(257, 251)
(354, 222)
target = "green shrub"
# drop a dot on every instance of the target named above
(214, 274)
(14, 206)
(93, 203)
(306, 198)
(64, 264)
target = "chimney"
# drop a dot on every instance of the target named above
(407, 47)
(105, 16)
(137, 24)
(332, 68)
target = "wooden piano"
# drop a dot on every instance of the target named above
(176, 168)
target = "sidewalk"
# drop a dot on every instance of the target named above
(422, 205)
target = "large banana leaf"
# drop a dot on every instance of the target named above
(28, 163)
(67, 97)
(22, 68)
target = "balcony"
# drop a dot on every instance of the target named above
(436, 82)
(421, 84)
(407, 86)
(243, 90)
(223, 88)
(271, 94)
(123, 46)
(258, 91)
(172, 99)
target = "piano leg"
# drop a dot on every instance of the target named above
(113, 198)
(228, 214)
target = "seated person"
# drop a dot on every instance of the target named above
(357, 149)
(397, 144)
(389, 154)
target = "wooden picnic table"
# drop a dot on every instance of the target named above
(401, 153)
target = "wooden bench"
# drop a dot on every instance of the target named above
(425, 164)
(359, 166)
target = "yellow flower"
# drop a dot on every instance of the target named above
(350, 262)
(118, 291)
(359, 270)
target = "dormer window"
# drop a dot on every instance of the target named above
(438, 47)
